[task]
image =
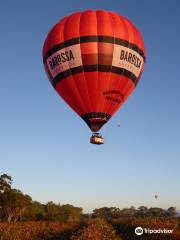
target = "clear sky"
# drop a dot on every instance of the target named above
(45, 146)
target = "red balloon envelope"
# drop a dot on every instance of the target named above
(94, 60)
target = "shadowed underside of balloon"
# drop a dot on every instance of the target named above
(95, 120)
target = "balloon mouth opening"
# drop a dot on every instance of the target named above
(96, 124)
(96, 120)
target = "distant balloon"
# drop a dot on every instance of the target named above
(94, 60)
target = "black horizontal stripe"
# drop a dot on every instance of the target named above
(65, 74)
(85, 39)
(94, 68)
(90, 68)
(100, 115)
(125, 73)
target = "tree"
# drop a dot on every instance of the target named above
(53, 211)
(5, 186)
(128, 212)
(35, 211)
(5, 183)
(156, 212)
(65, 213)
(71, 213)
(14, 204)
(171, 212)
(103, 212)
(142, 211)
(115, 212)
(107, 213)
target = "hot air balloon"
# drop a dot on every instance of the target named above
(94, 60)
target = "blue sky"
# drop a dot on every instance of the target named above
(45, 146)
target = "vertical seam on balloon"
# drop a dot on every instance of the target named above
(97, 82)
(125, 24)
(82, 102)
(138, 50)
(85, 79)
(72, 75)
(121, 76)
(62, 33)
(110, 73)
(140, 41)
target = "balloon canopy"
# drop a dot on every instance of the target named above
(94, 60)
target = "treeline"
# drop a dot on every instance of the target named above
(17, 206)
(141, 212)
